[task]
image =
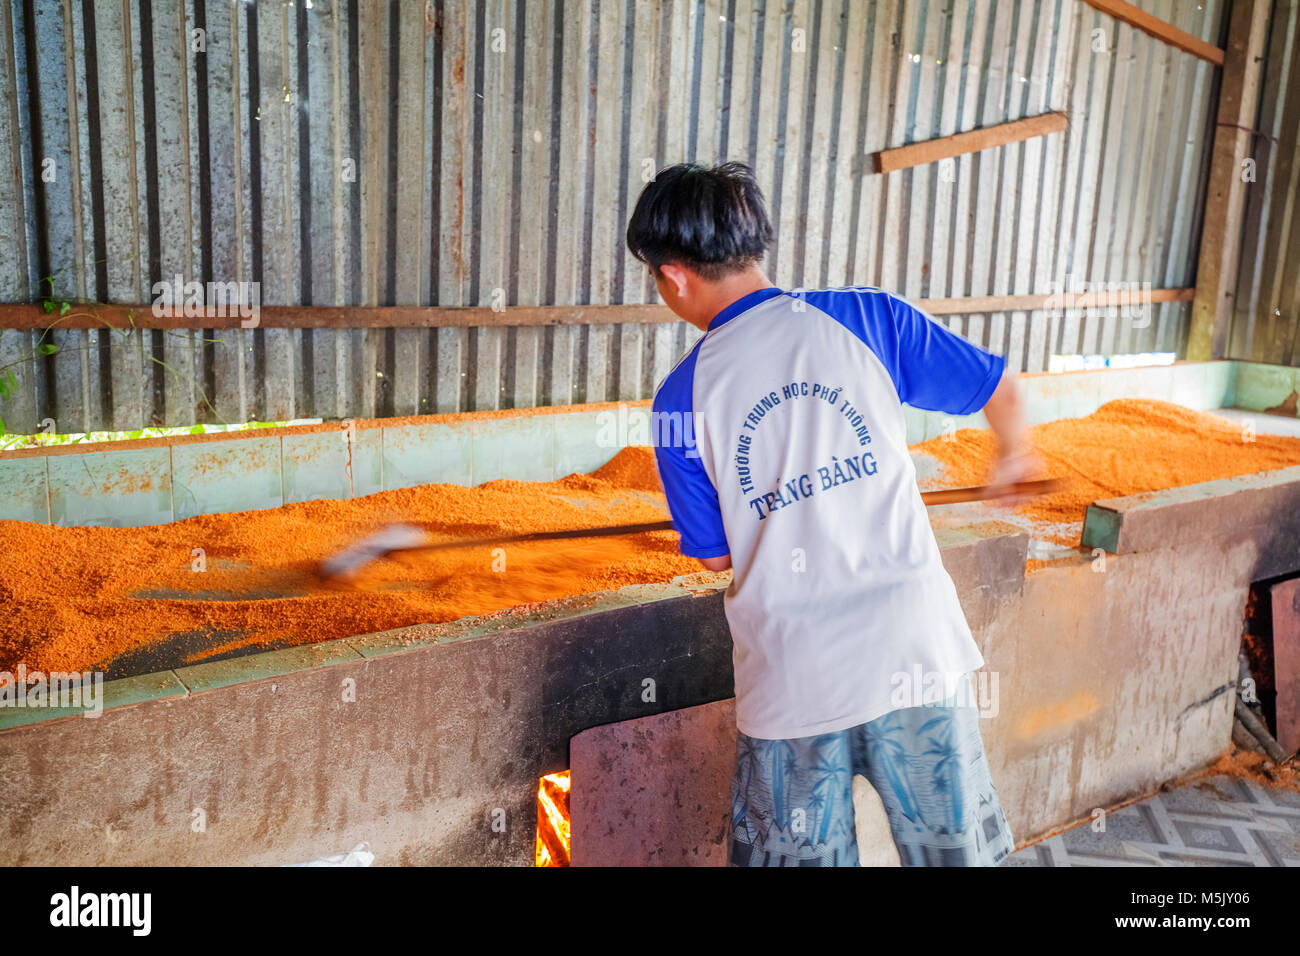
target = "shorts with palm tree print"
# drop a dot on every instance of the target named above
(792, 800)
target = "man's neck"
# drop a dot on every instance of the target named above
(718, 295)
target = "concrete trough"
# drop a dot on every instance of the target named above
(1114, 672)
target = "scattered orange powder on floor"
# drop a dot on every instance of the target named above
(1124, 448)
(73, 596)
(1251, 766)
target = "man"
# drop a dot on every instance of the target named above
(781, 447)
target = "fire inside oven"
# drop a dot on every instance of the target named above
(553, 820)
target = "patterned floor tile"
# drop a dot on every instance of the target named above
(1219, 821)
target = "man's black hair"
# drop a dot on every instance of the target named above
(711, 220)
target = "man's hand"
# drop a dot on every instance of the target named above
(1013, 465)
(1017, 460)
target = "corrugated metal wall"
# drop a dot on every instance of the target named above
(466, 152)
(1266, 307)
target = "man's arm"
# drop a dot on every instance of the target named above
(939, 370)
(1005, 411)
(692, 499)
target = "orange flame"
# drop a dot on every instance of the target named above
(553, 820)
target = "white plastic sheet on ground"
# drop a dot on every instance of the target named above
(359, 855)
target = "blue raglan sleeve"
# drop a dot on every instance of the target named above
(692, 499)
(936, 368)
(931, 367)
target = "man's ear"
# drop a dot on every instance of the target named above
(677, 277)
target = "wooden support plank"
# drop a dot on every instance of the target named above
(946, 147)
(104, 316)
(1216, 273)
(1165, 32)
(984, 304)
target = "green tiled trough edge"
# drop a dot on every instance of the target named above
(306, 467)
(554, 445)
(116, 693)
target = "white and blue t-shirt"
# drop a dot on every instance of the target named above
(780, 441)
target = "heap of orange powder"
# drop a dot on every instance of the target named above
(1126, 447)
(78, 598)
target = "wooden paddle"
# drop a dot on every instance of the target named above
(405, 537)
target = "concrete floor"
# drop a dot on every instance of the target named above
(1216, 821)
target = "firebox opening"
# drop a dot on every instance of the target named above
(553, 820)
(1257, 645)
